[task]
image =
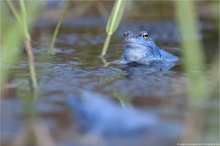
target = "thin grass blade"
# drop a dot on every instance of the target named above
(57, 29)
(113, 22)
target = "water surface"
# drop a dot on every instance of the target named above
(76, 69)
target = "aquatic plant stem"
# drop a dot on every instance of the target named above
(115, 16)
(105, 48)
(13, 9)
(28, 47)
(57, 29)
(24, 21)
(113, 23)
(192, 49)
(31, 63)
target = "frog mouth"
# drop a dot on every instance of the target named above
(133, 43)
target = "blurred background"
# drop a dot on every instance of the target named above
(36, 86)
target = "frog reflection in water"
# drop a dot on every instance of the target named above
(141, 49)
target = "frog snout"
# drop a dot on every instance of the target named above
(128, 34)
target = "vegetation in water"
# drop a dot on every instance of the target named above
(57, 29)
(113, 22)
(17, 21)
(24, 19)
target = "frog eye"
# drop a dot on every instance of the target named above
(145, 35)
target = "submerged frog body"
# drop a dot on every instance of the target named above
(96, 114)
(142, 49)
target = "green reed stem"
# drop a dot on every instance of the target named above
(191, 47)
(24, 20)
(113, 23)
(105, 48)
(13, 10)
(57, 29)
(31, 63)
(27, 43)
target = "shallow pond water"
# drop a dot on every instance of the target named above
(116, 93)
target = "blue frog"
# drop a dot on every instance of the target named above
(95, 113)
(141, 49)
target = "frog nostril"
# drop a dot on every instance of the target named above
(128, 33)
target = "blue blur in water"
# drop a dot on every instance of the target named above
(96, 114)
